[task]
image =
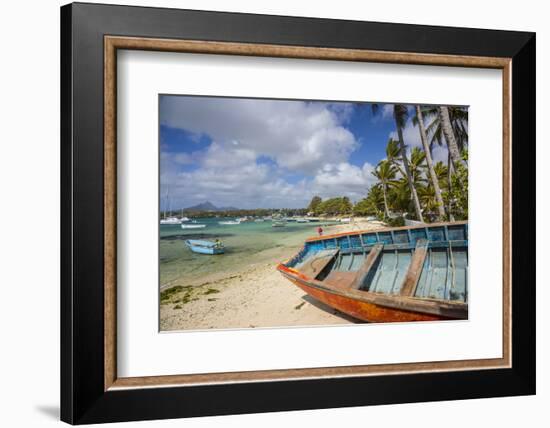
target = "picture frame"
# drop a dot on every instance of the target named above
(91, 391)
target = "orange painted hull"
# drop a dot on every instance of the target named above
(362, 310)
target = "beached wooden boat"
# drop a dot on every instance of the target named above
(204, 247)
(417, 273)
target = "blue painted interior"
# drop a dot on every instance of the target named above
(445, 271)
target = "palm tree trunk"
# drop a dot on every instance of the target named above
(447, 129)
(408, 173)
(385, 200)
(429, 161)
(450, 172)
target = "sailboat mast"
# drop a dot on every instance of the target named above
(165, 203)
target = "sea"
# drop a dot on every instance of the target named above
(246, 244)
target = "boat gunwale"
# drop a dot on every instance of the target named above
(385, 229)
(211, 244)
(427, 305)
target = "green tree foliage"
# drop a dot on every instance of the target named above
(314, 204)
(346, 207)
(458, 194)
(335, 206)
(404, 179)
(372, 205)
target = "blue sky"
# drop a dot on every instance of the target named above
(256, 153)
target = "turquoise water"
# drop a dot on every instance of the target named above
(245, 244)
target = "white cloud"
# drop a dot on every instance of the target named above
(304, 140)
(440, 153)
(300, 136)
(230, 176)
(387, 111)
(343, 179)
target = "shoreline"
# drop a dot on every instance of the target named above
(254, 297)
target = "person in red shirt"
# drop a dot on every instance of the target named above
(320, 230)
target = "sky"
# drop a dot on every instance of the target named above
(266, 153)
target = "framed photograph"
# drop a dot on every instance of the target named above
(266, 213)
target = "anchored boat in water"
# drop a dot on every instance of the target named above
(193, 226)
(230, 222)
(205, 247)
(417, 273)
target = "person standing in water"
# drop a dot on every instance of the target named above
(320, 231)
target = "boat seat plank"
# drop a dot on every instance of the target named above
(340, 280)
(408, 287)
(315, 265)
(367, 265)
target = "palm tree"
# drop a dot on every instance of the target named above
(392, 149)
(417, 165)
(393, 154)
(399, 197)
(458, 118)
(459, 123)
(441, 172)
(447, 129)
(375, 200)
(435, 182)
(385, 173)
(400, 115)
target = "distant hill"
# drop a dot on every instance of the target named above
(209, 206)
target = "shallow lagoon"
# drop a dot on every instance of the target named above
(246, 244)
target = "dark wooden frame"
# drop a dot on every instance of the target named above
(89, 389)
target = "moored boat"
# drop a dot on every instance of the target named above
(193, 226)
(278, 223)
(390, 275)
(170, 220)
(205, 247)
(229, 222)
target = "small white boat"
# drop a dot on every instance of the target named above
(193, 226)
(278, 223)
(345, 220)
(170, 220)
(182, 219)
(302, 220)
(259, 220)
(229, 222)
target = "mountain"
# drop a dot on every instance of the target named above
(209, 206)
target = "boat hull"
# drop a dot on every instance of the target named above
(210, 251)
(362, 310)
(202, 249)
